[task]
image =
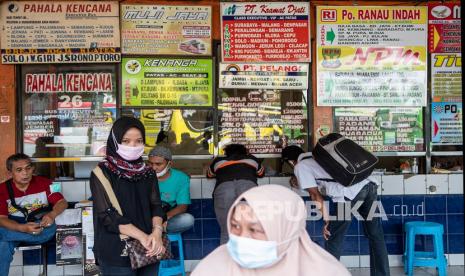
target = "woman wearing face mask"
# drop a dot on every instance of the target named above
(136, 190)
(267, 236)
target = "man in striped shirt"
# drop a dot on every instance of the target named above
(235, 173)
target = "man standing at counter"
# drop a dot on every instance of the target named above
(235, 173)
(26, 212)
(310, 176)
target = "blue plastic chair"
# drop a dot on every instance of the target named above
(413, 258)
(173, 267)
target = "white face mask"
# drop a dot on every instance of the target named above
(164, 171)
(126, 152)
(252, 253)
(130, 153)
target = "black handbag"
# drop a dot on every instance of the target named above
(133, 249)
(33, 216)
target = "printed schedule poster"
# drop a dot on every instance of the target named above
(265, 31)
(446, 77)
(292, 76)
(166, 30)
(382, 129)
(263, 120)
(59, 32)
(444, 28)
(446, 125)
(371, 56)
(162, 82)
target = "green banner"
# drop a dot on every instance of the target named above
(382, 129)
(166, 82)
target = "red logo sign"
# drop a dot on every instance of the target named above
(328, 15)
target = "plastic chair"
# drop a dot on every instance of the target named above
(435, 258)
(173, 267)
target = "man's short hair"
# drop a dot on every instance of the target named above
(232, 149)
(161, 152)
(291, 153)
(14, 158)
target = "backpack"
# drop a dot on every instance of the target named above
(343, 159)
(33, 216)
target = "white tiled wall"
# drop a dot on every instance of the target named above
(389, 185)
(415, 184)
(350, 261)
(392, 185)
(16, 271)
(72, 270)
(196, 188)
(364, 260)
(437, 183)
(207, 187)
(53, 270)
(455, 183)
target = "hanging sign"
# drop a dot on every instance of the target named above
(382, 129)
(292, 76)
(166, 30)
(444, 28)
(265, 31)
(59, 32)
(166, 82)
(371, 56)
(446, 125)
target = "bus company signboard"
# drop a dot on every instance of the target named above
(371, 56)
(446, 77)
(59, 32)
(446, 128)
(265, 32)
(444, 28)
(166, 30)
(173, 82)
(290, 76)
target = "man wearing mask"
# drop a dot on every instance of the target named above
(174, 190)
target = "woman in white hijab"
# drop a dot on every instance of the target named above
(267, 236)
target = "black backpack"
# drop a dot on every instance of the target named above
(33, 216)
(343, 159)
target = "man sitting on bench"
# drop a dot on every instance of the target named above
(26, 212)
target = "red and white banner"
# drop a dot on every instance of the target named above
(261, 31)
(444, 28)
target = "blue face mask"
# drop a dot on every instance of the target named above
(252, 253)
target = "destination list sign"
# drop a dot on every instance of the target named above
(59, 32)
(261, 31)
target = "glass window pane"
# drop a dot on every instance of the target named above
(184, 131)
(67, 110)
(264, 120)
